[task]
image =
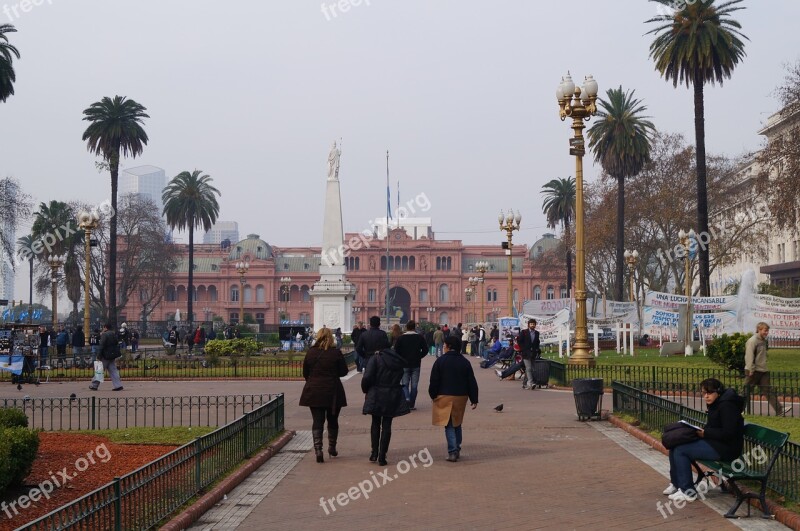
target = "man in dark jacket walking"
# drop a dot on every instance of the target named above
(412, 347)
(372, 340)
(530, 350)
(109, 352)
(452, 384)
(354, 338)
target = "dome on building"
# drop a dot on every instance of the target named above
(254, 246)
(547, 242)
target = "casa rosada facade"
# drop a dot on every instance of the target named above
(428, 280)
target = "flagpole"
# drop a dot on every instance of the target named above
(388, 215)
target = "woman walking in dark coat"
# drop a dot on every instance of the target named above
(324, 393)
(384, 400)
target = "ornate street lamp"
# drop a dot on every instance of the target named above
(509, 223)
(431, 309)
(482, 267)
(686, 239)
(578, 104)
(55, 262)
(241, 268)
(469, 291)
(88, 222)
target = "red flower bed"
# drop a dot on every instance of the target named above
(72, 465)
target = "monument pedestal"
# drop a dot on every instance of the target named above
(672, 348)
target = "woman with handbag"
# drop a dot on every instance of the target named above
(323, 392)
(722, 438)
(384, 399)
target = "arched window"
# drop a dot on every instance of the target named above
(235, 295)
(564, 293)
(305, 293)
(537, 293)
(260, 294)
(412, 263)
(444, 318)
(550, 293)
(212, 294)
(248, 293)
(383, 263)
(444, 293)
(405, 263)
(171, 296)
(260, 318)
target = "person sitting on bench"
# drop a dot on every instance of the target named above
(722, 438)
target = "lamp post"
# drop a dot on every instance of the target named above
(431, 309)
(482, 267)
(632, 258)
(578, 104)
(509, 223)
(88, 222)
(468, 291)
(241, 268)
(686, 238)
(286, 283)
(55, 262)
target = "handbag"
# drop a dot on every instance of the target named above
(678, 433)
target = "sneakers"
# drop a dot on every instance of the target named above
(671, 489)
(452, 457)
(499, 373)
(120, 388)
(679, 495)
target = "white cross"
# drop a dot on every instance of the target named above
(620, 330)
(595, 331)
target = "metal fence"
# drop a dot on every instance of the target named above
(654, 412)
(194, 368)
(147, 496)
(783, 382)
(101, 413)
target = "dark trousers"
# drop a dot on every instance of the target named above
(381, 434)
(319, 414)
(761, 379)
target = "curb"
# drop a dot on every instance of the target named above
(211, 498)
(782, 515)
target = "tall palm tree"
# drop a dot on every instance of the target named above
(559, 208)
(698, 44)
(7, 54)
(54, 224)
(25, 252)
(115, 129)
(620, 139)
(189, 202)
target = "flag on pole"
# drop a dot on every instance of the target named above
(388, 194)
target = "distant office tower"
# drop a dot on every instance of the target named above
(222, 230)
(148, 181)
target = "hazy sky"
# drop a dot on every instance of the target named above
(461, 92)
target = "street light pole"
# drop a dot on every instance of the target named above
(88, 222)
(55, 262)
(286, 283)
(482, 267)
(241, 268)
(509, 223)
(686, 238)
(578, 104)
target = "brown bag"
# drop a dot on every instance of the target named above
(676, 434)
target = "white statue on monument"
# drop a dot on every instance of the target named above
(333, 162)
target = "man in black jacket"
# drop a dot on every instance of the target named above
(529, 349)
(109, 352)
(412, 347)
(354, 337)
(372, 340)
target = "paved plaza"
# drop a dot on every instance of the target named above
(531, 466)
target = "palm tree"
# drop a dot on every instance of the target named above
(559, 207)
(116, 129)
(7, 54)
(25, 252)
(620, 139)
(698, 44)
(55, 226)
(189, 202)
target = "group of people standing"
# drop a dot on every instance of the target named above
(391, 368)
(64, 338)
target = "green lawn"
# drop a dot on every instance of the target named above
(178, 436)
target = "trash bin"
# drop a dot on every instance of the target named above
(541, 372)
(588, 394)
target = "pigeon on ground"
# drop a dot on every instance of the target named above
(499, 408)
(73, 396)
(19, 387)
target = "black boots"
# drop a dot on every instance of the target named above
(375, 435)
(332, 436)
(317, 436)
(385, 437)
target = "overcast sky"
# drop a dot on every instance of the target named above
(461, 92)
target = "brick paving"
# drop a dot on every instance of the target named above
(533, 466)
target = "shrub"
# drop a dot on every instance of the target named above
(227, 347)
(13, 418)
(23, 445)
(728, 351)
(5, 465)
(212, 359)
